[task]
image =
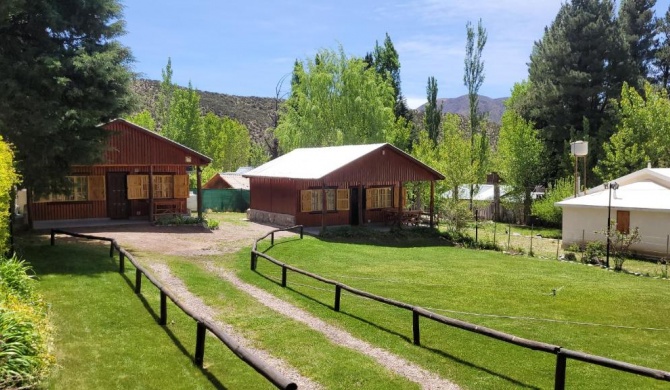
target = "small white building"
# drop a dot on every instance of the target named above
(642, 200)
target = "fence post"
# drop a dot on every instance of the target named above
(558, 247)
(283, 276)
(415, 328)
(53, 238)
(272, 238)
(495, 228)
(532, 227)
(301, 231)
(338, 292)
(163, 320)
(138, 281)
(111, 248)
(509, 234)
(122, 263)
(476, 225)
(200, 344)
(253, 261)
(559, 382)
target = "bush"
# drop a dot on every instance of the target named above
(457, 214)
(545, 210)
(594, 252)
(212, 224)
(570, 256)
(178, 220)
(24, 330)
(8, 179)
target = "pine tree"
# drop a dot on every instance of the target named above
(637, 24)
(62, 73)
(576, 71)
(386, 62)
(661, 61)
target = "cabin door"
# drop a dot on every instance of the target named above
(353, 205)
(118, 206)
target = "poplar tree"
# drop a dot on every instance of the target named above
(473, 79)
(62, 73)
(433, 114)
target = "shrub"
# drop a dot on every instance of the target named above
(24, 330)
(457, 214)
(8, 179)
(545, 210)
(212, 224)
(570, 256)
(594, 252)
(178, 220)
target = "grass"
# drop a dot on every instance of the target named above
(333, 366)
(106, 337)
(455, 281)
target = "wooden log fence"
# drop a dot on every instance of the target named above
(202, 325)
(562, 354)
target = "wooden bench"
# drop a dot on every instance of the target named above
(168, 207)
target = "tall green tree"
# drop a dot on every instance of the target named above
(433, 113)
(576, 72)
(473, 78)
(228, 142)
(184, 123)
(638, 26)
(144, 119)
(338, 100)
(642, 136)
(519, 158)
(661, 61)
(386, 62)
(8, 180)
(62, 73)
(165, 97)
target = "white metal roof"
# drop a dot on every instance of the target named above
(641, 195)
(312, 163)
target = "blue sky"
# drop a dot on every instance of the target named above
(245, 48)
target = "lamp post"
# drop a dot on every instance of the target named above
(612, 186)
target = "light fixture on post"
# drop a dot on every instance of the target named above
(612, 186)
(579, 149)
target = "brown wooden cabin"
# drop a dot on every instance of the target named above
(340, 185)
(142, 176)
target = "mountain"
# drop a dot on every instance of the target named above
(460, 105)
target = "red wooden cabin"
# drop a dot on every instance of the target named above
(340, 185)
(143, 175)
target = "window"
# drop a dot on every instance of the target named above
(81, 188)
(312, 200)
(378, 198)
(163, 186)
(138, 186)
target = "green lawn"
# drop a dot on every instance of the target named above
(106, 337)
(454, 281)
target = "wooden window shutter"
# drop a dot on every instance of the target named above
(96, 188)
(306, 201)
(369, 193)
(138, 186)
(404, 197)
(181, 186)
(396, 196)
(343, 199)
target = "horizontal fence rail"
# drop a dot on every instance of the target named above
(561, 353)
(202, 324)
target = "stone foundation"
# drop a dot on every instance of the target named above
(262, 216)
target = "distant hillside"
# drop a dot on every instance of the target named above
(254, 112)
(461, 106)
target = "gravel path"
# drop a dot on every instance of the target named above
(196, 304)
(392, 362)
